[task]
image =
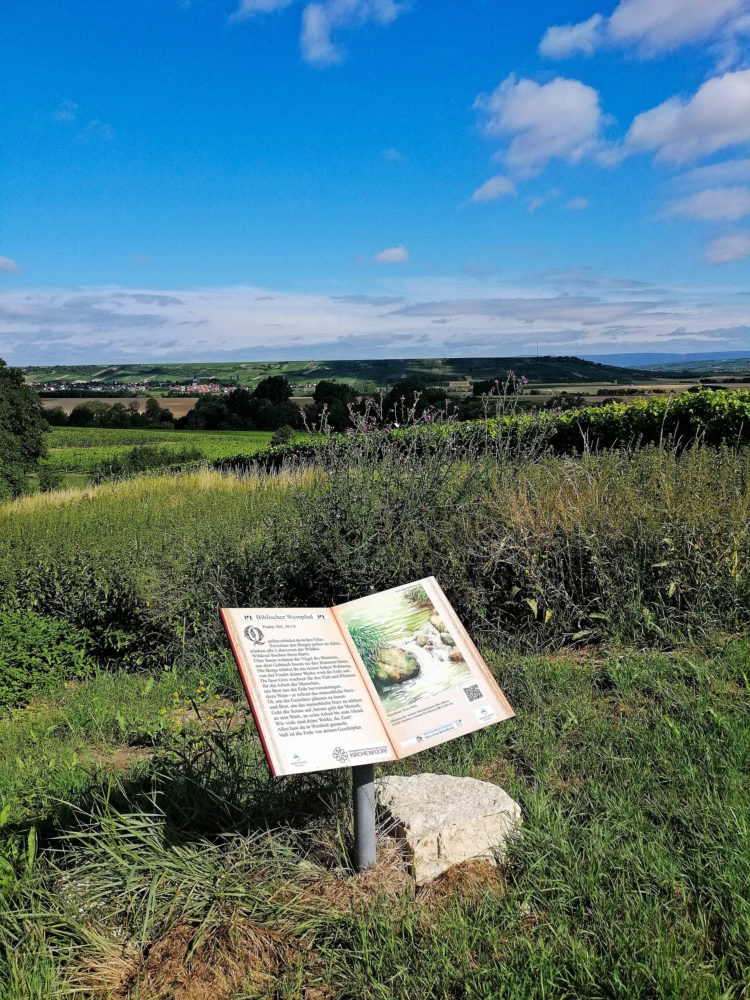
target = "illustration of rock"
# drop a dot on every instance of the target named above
(395, 665)
(448, 639)
(438, 623)
(456, 656)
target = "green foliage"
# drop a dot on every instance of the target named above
(267, 408)
(144, 458)
(97, 413)
(50, 478)
(282, 436)
(37, 652)
(22, 430)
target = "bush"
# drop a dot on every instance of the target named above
(37, 652)
(282, 436)
(50, 478)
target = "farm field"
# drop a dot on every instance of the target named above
(144, 851)
(82, 449)
(363, 375)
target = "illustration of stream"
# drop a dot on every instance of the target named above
(400, 621)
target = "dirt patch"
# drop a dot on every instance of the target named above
(575, 654)
(191, 963)
(620, 710)
(345, 893)
(119, 759)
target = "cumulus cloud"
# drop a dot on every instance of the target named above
(651, 26)
(8, 266)
(716, 117)
(577, 204)
(496, 187)
(321, 19)
(712, 205)
(561, 119)
(563, 40)
(728, 248)
(392, 255)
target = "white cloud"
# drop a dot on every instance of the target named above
(725, 249)
(535, 204)
(562, 40)
(8, 266)
(393, 155)
(712, 205)
(577, 204)
(249, 8)
(729, 172)
(67, 112)
(490, 316)
(561, 119)
(315, 40)
(392, 255)
(663, 25)
(651, 26)
(321, 19)
(677, 131)
(496, 187)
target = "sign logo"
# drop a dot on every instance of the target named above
(340, 755)
(254, 634)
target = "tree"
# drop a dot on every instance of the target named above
(275, 388)
(22, 430)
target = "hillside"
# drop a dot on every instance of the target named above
(362, 374)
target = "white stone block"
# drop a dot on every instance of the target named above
(441, 820)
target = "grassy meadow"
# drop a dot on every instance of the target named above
(84, 449)
(147, 854)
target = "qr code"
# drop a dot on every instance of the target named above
(473, 692)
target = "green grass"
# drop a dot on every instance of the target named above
(82, 449)
(142, 836)
(630, 880)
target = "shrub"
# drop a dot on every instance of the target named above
(50, 478)
(37, 651)
(282, 436)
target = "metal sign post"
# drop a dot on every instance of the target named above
(363, 783)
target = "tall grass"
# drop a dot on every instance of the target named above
(648, 546)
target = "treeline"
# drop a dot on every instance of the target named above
(96, 413)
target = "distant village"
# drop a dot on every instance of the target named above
(121, 390)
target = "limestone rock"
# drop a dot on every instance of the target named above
(441, 820)
(395, 665)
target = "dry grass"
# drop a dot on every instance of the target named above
(190, 963)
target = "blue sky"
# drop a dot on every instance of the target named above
(352, 178)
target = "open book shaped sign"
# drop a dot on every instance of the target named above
(373, 680)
